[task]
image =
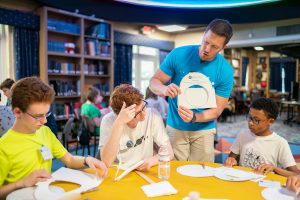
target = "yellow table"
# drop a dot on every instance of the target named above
(209, 187)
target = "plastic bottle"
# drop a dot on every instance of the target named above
(163, 163)
(192, 196)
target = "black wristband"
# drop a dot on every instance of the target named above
(194, 118)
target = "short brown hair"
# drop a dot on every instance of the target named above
(125, 93)
(92, 94)
(30, 90)
(7, 83)
(220, 27)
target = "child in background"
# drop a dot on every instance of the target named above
(262, 149)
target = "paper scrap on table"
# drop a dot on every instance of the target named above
(85, 180)
(269, 184)
(159, 189)
(278, 193)
(196, 92)
(240, 174)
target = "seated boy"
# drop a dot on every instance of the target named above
(22, 163)
(262, 149)
(129, 132)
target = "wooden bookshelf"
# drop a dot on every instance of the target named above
(76, 51)
(233, 56)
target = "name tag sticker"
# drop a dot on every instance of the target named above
(46, 153)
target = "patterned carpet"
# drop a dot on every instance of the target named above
(231, 129)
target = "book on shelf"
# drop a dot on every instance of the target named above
(65, 88)
(95, 68)
(63, 26)
(101, 30)
(97, 48)
(104, 87)
(63, 110)
(62, 47)
(63, 68)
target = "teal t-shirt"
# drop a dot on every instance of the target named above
(183, 60)
(91, 111)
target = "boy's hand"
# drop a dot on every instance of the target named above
(293, 183)
(126, 114)
(148, 163)
(264, 169)
(230, 161)
(34, 177)
(97, 164)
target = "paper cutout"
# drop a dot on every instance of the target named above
(269, 184)
(28, 193)
(195, 170)
(231, 174)
(278, 193)
(159, 189)
(202, 96)
(129, 169)
(85, 180)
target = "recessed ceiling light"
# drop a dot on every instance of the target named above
(197, 3)
(259, 48)
(172, 28)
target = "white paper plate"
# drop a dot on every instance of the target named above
(279, 193)
(231, 174)
(195, 170)
(28, 193)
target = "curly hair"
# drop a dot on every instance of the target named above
(30, 90)
(267, 105)
(125, 93)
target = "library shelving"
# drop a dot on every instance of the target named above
(76, 52)
(233, 56)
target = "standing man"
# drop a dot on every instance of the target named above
(192, 131)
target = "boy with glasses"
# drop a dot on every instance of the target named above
(129, 132)
(262, 149)
(27, 149)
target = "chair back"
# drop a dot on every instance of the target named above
(89, 123)
(68, 130)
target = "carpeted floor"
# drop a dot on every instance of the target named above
(240, 124)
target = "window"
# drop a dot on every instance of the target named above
(144, 64)
(7, 68)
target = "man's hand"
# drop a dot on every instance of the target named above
(185, 114)
(172, 90)
(126, 114)
(96, 164)
(34, 177)
(148, 163)
(293, 183)
(264, 169)
(230, 161)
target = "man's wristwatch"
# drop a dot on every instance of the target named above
(194, 118)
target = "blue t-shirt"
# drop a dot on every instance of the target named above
(186, 59)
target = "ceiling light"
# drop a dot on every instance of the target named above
(259, 48)
(197, 3)
(172, 28)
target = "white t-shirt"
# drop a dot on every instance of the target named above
(256, 150)
(141, 137)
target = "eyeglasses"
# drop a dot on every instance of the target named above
(255, 121)
(146, 103)
(38, 118)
